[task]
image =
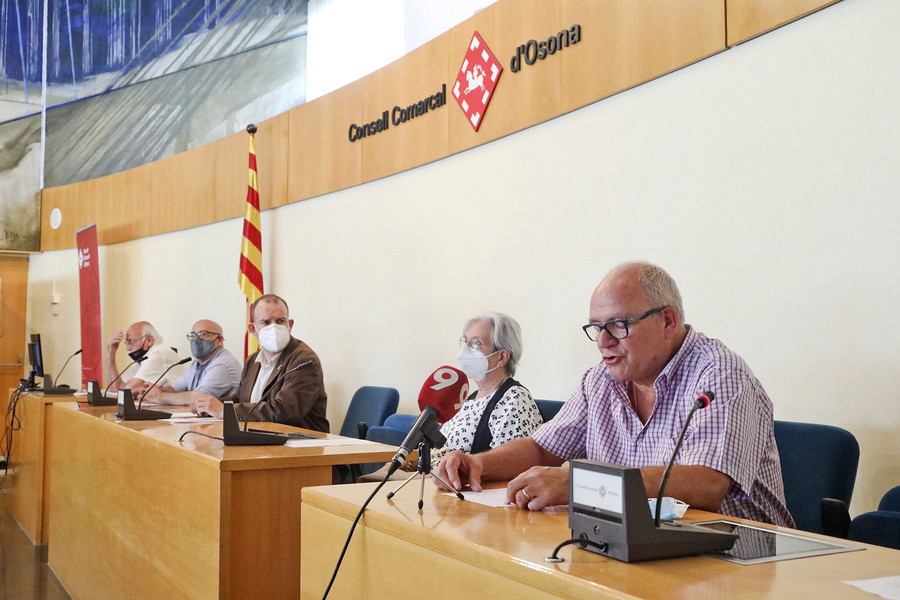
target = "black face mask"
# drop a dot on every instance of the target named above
(138, 354)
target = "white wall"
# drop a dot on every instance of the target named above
(764, 179)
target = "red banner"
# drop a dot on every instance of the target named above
(89, 282)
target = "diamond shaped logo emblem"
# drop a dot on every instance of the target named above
(476, 81)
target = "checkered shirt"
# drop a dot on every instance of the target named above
(734, 435)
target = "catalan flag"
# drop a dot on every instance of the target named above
(250, 277)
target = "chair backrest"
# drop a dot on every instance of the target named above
(370, 405)
(383, 434)
(882, 526)
(392, 433)
(890, 500)
(401, 421)
(548, 408)
(817, 461)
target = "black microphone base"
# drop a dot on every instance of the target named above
(254, 438)
(57, 391)
(608, 507)
(669, 540)
(233, 436)
(97, 398)
(142, 414)
(100, 401)
(126, 410)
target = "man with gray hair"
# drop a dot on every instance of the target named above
(141, 340)
(630, 408)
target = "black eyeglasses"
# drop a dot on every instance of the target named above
(203, 335)
(617, 328)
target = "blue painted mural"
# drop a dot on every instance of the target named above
(132, 81)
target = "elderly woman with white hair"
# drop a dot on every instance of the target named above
(501, 409)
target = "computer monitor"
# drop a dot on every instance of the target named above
(36, 360)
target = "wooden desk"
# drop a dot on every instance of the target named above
(455, 549)
(29, 496)
(135, 514)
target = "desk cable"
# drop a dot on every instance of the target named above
(350, 535)
(11, 424)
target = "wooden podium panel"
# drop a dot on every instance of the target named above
(135, 514)
(30, 483)
(455, 549)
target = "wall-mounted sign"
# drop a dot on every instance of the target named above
(476, 80)
(398, 115)
(533, 51)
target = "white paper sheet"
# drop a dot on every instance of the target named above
(494, 498)
(886, 587)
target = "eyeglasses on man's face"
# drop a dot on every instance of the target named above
(617, 328)
(203, 335)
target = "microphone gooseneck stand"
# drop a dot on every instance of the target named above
(424, 468)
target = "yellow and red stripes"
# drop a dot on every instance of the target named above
(250, 278)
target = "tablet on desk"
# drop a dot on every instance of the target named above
(758, 544)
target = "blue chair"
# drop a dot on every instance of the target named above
(818, 466)
(392, 433)
(369, 407)
(882, 526)
(393, 430)
(548, 408)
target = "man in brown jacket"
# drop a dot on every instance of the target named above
(282, 382)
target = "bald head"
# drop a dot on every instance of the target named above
(207, 325)
(645, 299)
(141, 335)
(657, 285)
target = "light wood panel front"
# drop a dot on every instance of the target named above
(136, 514)
(456, 549)
(128, 518)
(306, 151)
(750, 18)
(628, 43)
(30, 495)
(14, 296)
(423, 139)
(320, 157)
(190, 189)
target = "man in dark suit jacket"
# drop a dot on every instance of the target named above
(269, 387)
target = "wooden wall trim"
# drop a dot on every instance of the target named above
(748, 19)
(306, 152)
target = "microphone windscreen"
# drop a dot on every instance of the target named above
(704, 399)
(446, 390)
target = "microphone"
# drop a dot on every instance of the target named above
(702, 401)
(77, 352)
(446, 390)
(231, 430)
(425, 428)
(299, 367)
(169, 368)
(122, 372)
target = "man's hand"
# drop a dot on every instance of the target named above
(113, 344)
(204, 404)
(539, 487)
(137, 386)
(154, 395)
(459, 469)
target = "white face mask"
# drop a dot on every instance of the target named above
(474, 363)
(274, 337)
